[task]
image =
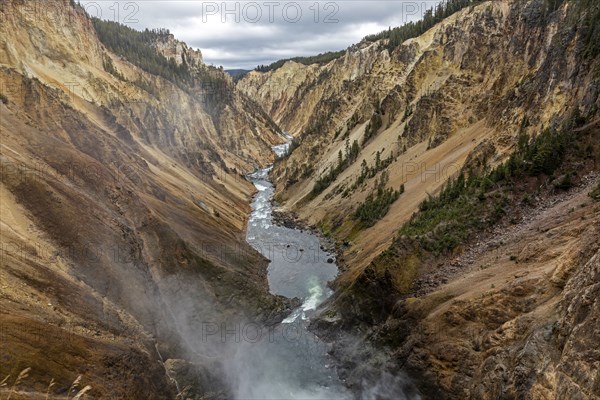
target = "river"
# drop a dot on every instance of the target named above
(290, 362)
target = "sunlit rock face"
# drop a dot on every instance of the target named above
(170, 47)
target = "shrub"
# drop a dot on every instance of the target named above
(372, 127)
(565, 182)
(331, 175)
(595, 193)
(465, 205)
(377, 203)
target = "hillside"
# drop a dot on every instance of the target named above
(402, 155)
(425, 106)
(123, 208)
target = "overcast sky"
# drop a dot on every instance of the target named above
(243, 34)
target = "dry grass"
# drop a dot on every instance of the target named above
(49, 388)
(82, 392)
(24, 374)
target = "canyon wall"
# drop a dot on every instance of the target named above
(490, 313)
(124, 205)
(467, 83)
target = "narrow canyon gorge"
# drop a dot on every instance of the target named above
(415, 217)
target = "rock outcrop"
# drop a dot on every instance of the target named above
(179, 51)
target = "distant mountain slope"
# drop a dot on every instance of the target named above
(237, 73)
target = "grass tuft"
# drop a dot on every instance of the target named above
(20, 378)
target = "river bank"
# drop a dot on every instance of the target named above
(296, 248)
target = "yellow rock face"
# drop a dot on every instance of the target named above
(466, 84)
(501, 328)
(123, 202)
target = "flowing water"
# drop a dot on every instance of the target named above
(289, 362)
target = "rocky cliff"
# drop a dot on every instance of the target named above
(469, 82)
(123, 212)
(179, 51)
(469, 287)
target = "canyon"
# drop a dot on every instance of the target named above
(126, 200)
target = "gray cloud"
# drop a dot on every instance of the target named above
(243, 34)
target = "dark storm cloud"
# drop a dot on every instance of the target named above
(243, 34)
